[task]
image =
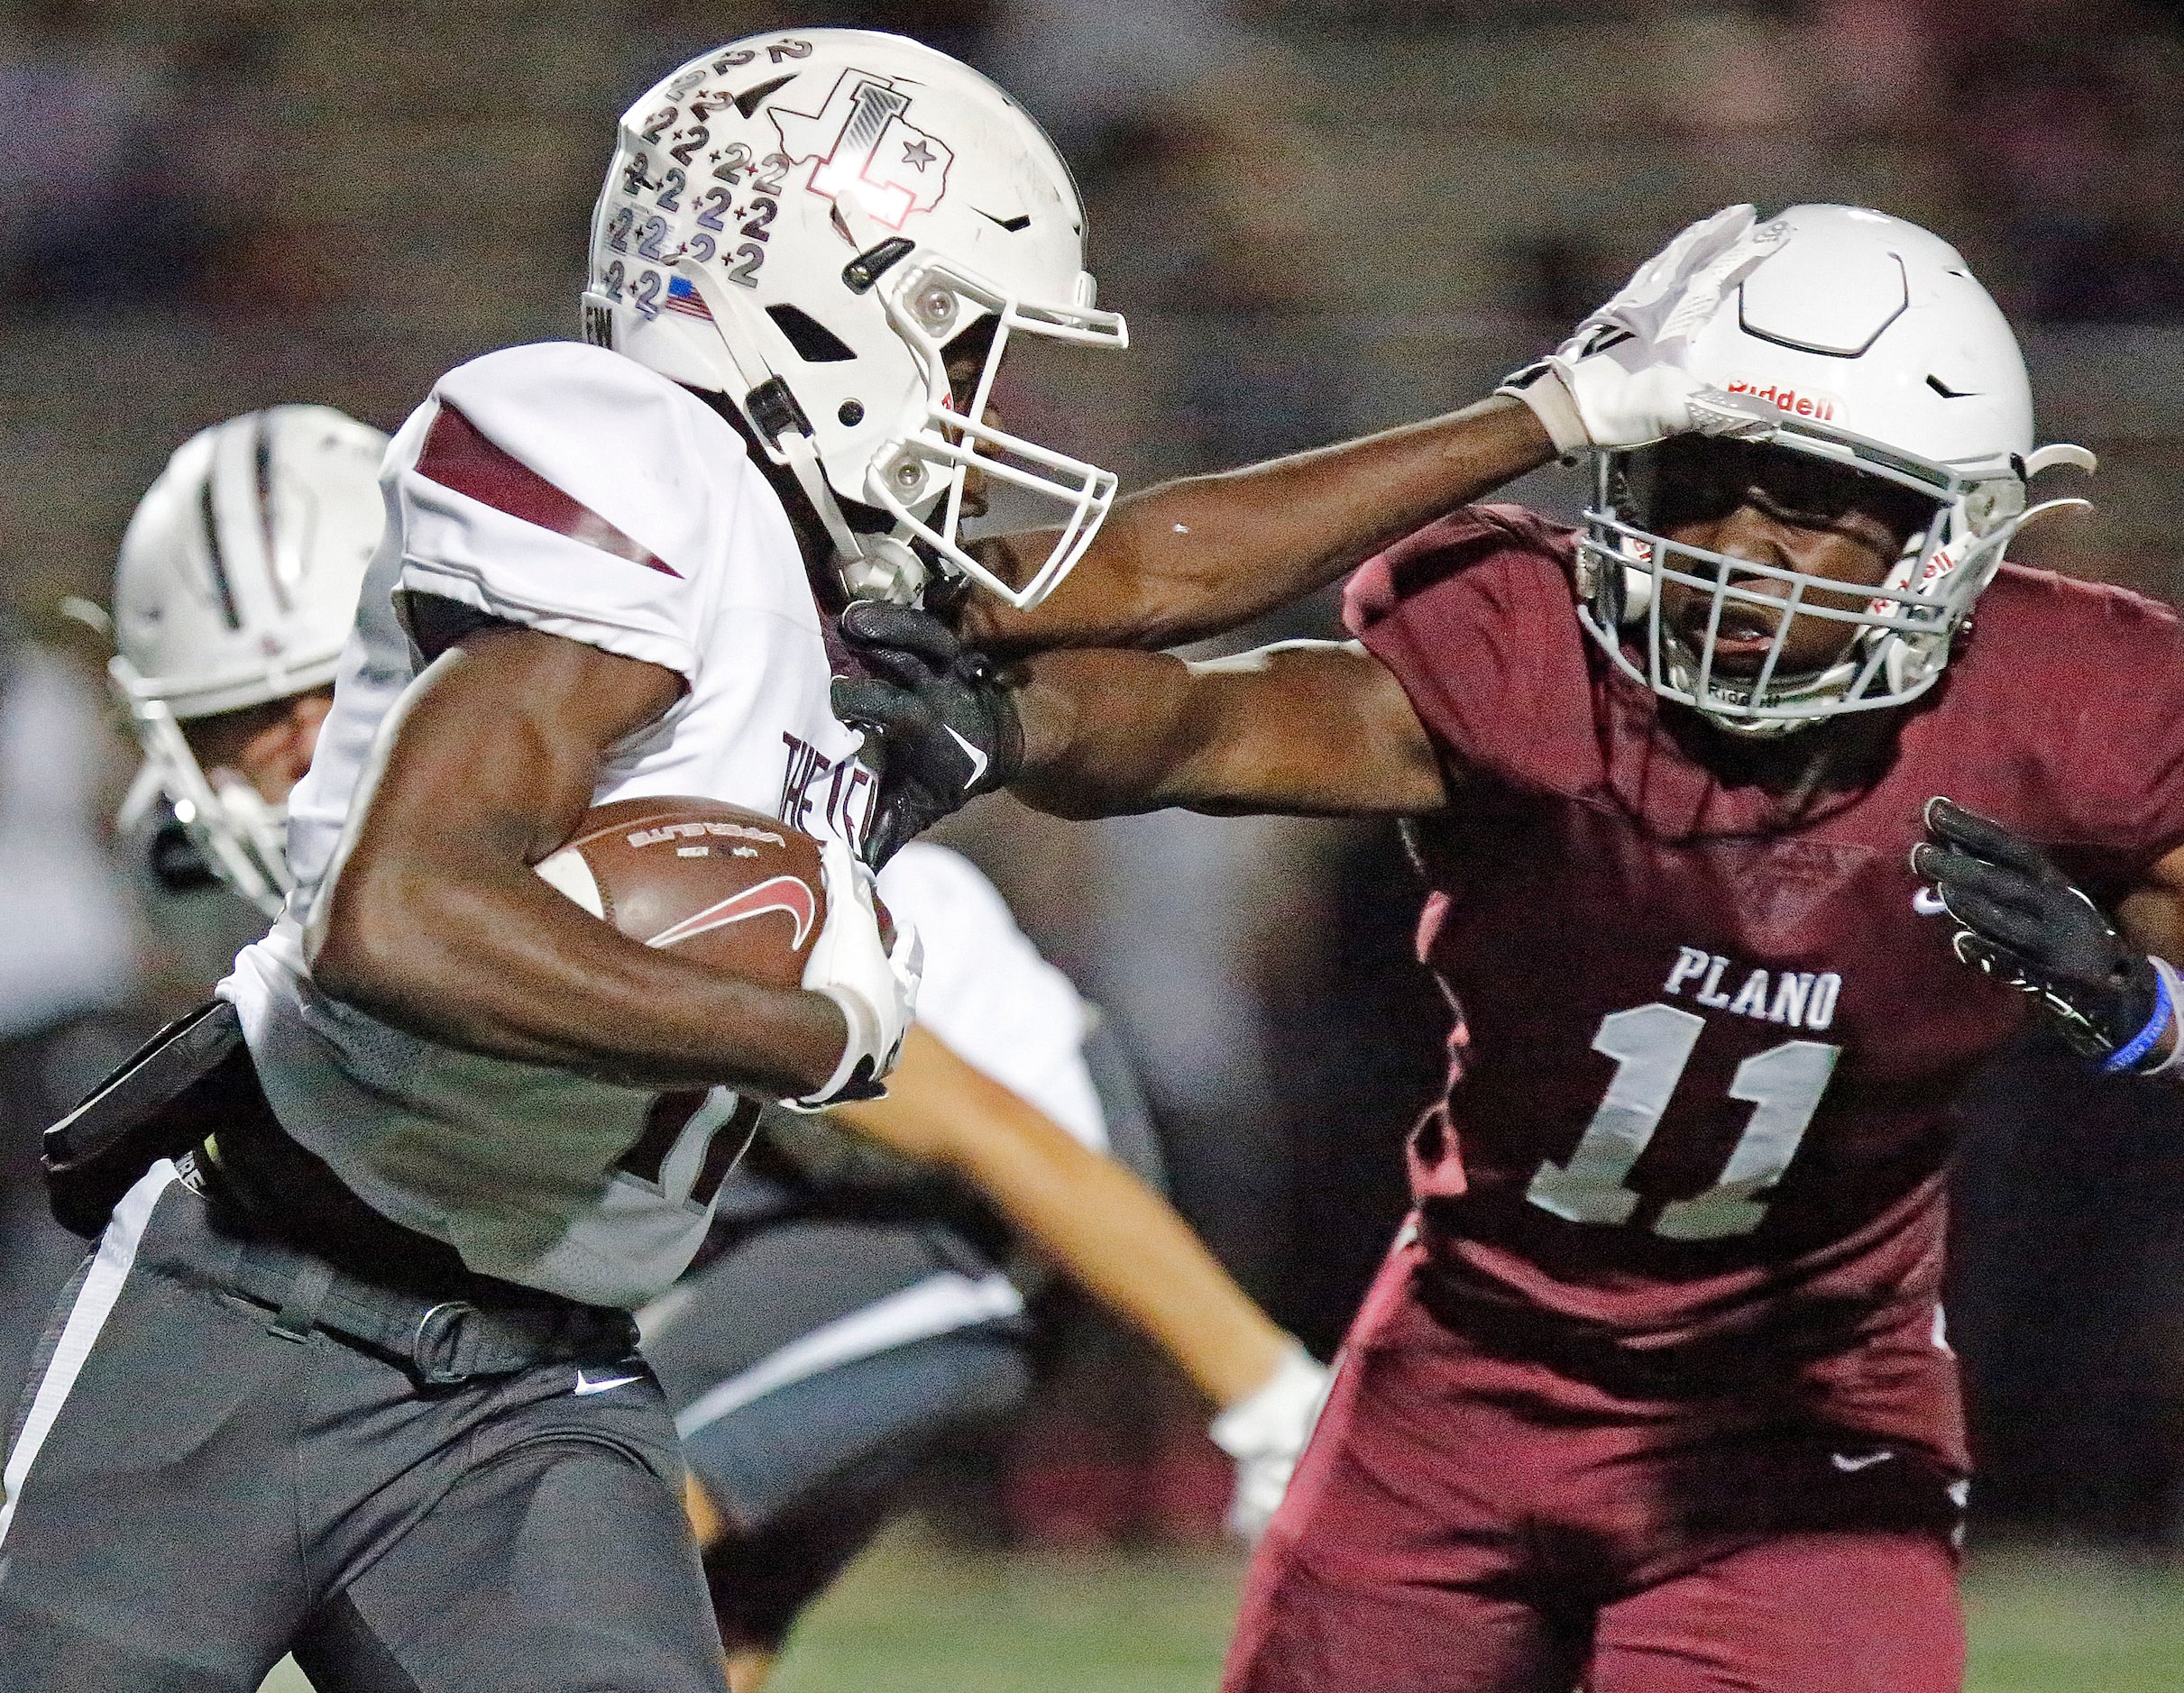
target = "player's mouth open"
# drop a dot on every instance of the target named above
(1744, 634)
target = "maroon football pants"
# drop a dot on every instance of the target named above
(1470, 1520)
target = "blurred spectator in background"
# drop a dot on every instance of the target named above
(2069, 142)
(118, 178)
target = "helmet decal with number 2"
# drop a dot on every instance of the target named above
(812, 226)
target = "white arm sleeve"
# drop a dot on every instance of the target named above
(988, 994)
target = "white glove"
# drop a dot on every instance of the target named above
(875, 988)
(1618, 380)
(1265, 1433)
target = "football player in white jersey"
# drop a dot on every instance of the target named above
(361, 1327)
(853, 1307)
(233, 599)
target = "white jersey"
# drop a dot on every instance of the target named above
(988, 994)
(571, 490)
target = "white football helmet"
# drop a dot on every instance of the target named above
(236, 585)
(1886, 359)
(803, 223)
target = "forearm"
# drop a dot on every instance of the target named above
(1085, 1214)
(496, 962)
(1192, 558)
(1304, 728)
(1099, 1225)
(1106, 733)
(435, 922)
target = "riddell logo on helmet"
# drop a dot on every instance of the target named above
(1819, 408)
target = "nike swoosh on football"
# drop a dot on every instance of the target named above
(585, 1384)
(1850, 1463)
(978, 758)
(786, 894)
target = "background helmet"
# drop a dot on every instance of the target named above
(1885, 359)
(236, 585)
(803, 223)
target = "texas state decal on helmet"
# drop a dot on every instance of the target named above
(862, 145)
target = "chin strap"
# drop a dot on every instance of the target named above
(2054, 454)
(2060, 453)
(871, 566)
(803, 456)
(2069, 503)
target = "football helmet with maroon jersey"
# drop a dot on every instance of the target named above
(236, 585)
(1878, 360)
(810, 224)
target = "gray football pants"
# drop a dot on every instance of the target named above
(190, 1494)
(813, 1371)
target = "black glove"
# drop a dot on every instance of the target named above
(2020, 921)
(939, 723)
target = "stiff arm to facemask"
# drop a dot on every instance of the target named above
(1845, 336)
(938, 724)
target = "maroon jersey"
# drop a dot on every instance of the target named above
(1705, 1052)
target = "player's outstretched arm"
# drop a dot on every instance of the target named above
(1305, 727)
(1193, 557)
(1088, 1217)
(433, 919)
(1311, 728)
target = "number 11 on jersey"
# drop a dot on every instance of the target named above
(1650, 1045)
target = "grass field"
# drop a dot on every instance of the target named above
(915, 1618)
(916, 1621)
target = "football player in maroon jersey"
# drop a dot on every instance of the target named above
(1653, 1393)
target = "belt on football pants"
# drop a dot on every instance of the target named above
(318, 1257)
(443, 1341)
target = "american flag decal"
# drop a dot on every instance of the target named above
(684, 298)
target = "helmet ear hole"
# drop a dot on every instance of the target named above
(815, 343)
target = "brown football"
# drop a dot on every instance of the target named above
(725, 886)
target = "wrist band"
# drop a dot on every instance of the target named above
(862, 1030)
(2164, 1007)
(1543, 388)
(2168, 974)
